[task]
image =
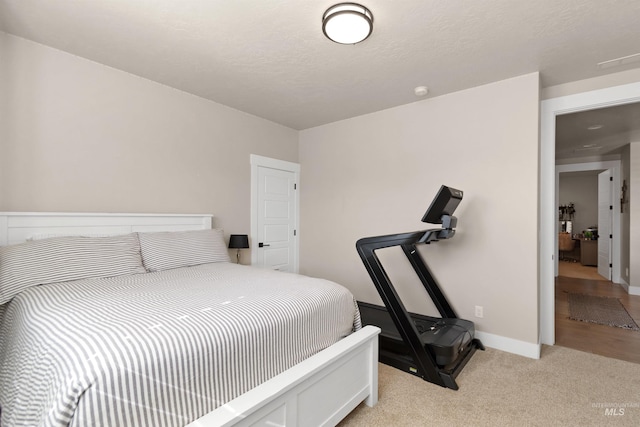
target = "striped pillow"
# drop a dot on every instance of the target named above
(172, 249)
(63, 259)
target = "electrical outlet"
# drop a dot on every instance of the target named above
(479, 311)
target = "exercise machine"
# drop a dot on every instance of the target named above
(435, 349)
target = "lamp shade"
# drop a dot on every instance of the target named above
(238, 241)
(347, 23)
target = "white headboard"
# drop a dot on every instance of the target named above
(18, 227)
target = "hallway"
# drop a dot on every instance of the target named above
(607, 341)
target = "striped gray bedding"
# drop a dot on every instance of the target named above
(162, 348)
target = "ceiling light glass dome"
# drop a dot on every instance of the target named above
(347, 23)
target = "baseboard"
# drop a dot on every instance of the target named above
(510, 345)
(624, 284)
(631, 290)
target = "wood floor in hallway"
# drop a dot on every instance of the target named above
(607, 341)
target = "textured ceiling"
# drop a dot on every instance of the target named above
(617, 126)
(270, 58)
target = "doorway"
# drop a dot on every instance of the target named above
(607, 221)
(551, 108)
(584, 271)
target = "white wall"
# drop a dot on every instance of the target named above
(601, 82)
(4, 107)
(80, 136)
(376, 174)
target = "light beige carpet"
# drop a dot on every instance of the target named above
(563, 388)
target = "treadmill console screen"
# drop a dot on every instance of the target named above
(445, 203)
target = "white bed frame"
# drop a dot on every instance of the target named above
(319, 391)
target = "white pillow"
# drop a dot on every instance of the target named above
(62, 259)
(172, 249)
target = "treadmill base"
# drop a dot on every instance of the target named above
(451, 350)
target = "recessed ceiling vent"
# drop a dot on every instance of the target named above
(624, 60)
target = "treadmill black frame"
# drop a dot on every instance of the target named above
(424, 364)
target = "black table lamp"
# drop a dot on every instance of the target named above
(238, 241)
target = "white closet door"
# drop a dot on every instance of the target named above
(605, 223)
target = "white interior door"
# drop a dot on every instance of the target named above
(605, 223)
(274, 212)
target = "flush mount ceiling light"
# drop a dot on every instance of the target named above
(594, 148)
(347, 23)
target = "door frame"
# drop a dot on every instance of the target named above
(549, 109)
(615, 167)
(608, 215)
(267, 162)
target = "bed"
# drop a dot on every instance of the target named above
(144, 321)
